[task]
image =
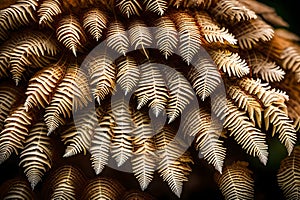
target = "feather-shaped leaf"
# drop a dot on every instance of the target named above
(157, 6)
(36, 157)
(128, 74)
(95, 21)
(137, 195)
(230, 63)
(180, 95)
(152, 88)
(189, 35)
(288, 175)
(48, 10)
(129, 7)
(42, 85)
(166, 36)
(70, 33)
(17, 188)
(236, 182)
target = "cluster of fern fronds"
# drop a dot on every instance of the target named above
(99, 72)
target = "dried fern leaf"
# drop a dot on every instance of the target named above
(175, 3)
(212, 31)
(157, 6)
(36, 157)
(102, 72)
(261, 66)
(287, 35)
(72, 94)
(288, 175)
(5, 50)
(128, 74)
(166, 36)
(251, 32)
(95, 21)
(70, 33)
(172, 158)
(230, 63)
(121, 147)
(204, 76)
(48, 10)
(17, 189)
(189, 35)
(236, 182)
(233, 11)
(42, 86)
(293, 108)
(181, 93)
(244, 132)
(144, 159)
(129, 7)
(66, 183)
(205, 4)
(101, 143)
(140, 36)
(137, 195)
(117, 37)
(15, 131)
(103, 188)
(152, 88)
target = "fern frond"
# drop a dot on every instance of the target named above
(15, 131)
(72, 94)
(48, 10)
(212, 31)
(95, 21)
(42, 85)
(180, 95)
(152, 88)
(103, 188)
(128, 74)
(17, 188)
(117, 37)
(252, 32)
(233, 11)
(287, 35)
(137, 195)
(102, 72)
(204, 76)
(236, 182)
(70, 33)
(205, 4)
(166, 36)
(121, 147)
(288, 175)
(189, 35)
(129, 7)
(36, 157)
(230, 63)
(140, 36)
(157, 6)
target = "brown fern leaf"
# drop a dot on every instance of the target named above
(66, 183)
(293, 108)
(288, 175)
(129, 7)
(95, 21)
(180, 95)
(230, 63)
(205, 4)
(16, 189)
(117, 37)
(36, 157)
(236, 182)
(204, 76)
(166, 36)
(250, 33)
(70, 33)
(72, 94)
(175, 3)
(48, 10)
(157, 6)
(103, 188)
(5, 50)
(15, 131)
(212, 31)
(152, 88)
(137, 195)
(172, 158)
(102, 72)
(233, 11)
(128, 74)
(287, 35)
(189, 35)
(41, 86)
